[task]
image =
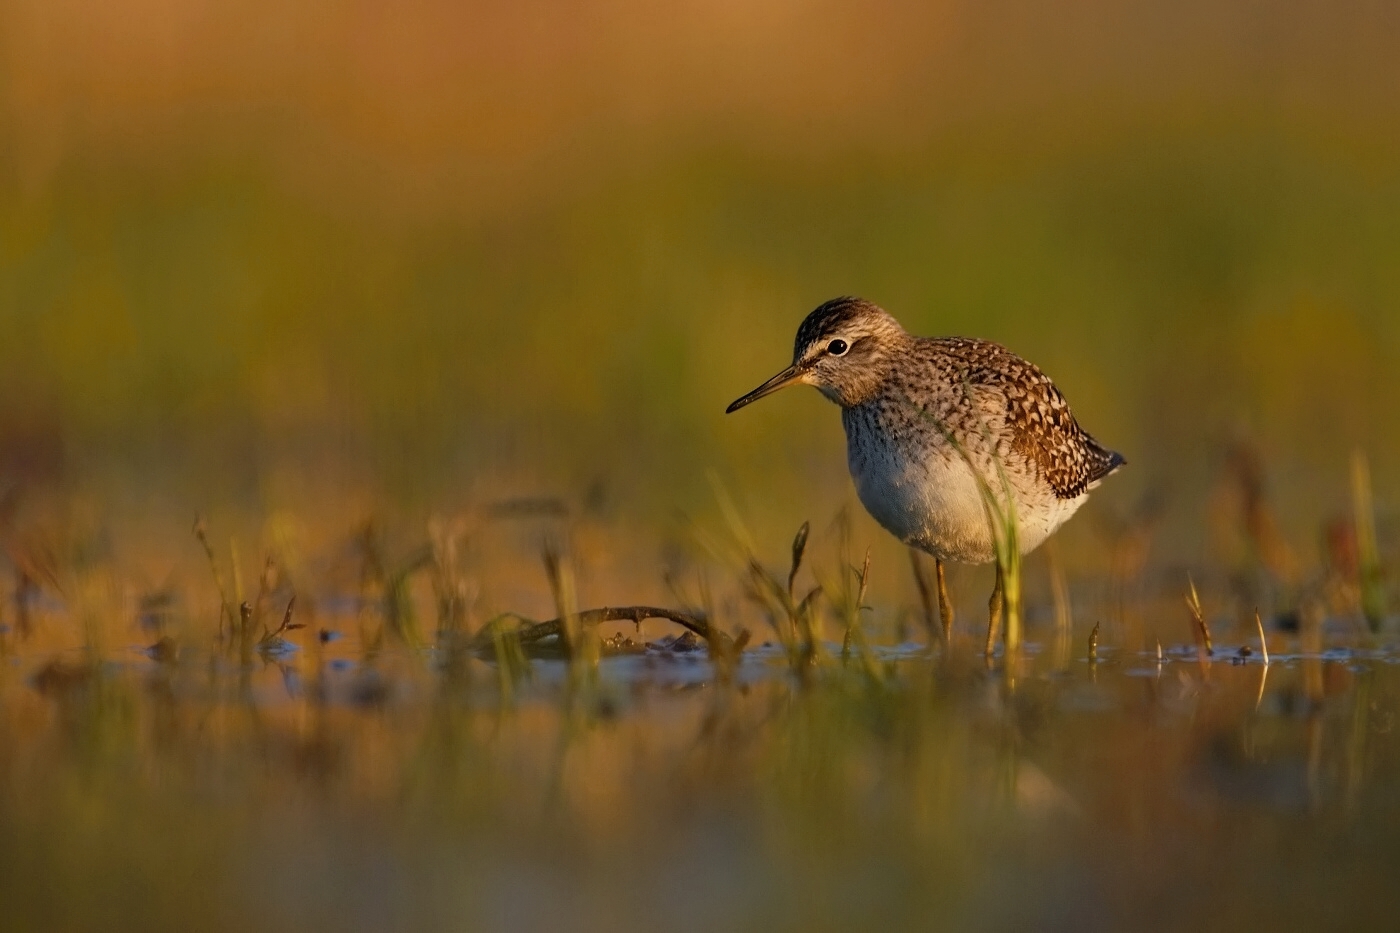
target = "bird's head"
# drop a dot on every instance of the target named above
(843, 348)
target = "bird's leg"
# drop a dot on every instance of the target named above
(926, 597)
(945, 606)
(994, 606)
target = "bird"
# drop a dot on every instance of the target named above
(946, 436)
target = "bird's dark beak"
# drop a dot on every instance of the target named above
(789, 376)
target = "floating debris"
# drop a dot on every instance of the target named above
(164, 651)
(684, 643)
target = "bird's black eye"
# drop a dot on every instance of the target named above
(837, 347)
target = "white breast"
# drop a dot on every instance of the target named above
(926, 495)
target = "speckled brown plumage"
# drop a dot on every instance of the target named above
(1042, 428)
(925, 417)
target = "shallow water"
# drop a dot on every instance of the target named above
(336, 789)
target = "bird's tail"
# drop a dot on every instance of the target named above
(1104, 464)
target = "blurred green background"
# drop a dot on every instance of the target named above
(430, 252)
(335, 274)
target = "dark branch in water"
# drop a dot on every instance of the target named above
(530, 632)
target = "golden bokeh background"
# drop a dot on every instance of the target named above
(430, 252)
(396, 296)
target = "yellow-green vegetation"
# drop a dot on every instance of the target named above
(489, 618)
(608, 769)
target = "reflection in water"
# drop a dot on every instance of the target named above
(345, 789)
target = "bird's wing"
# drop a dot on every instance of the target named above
(1042, 428)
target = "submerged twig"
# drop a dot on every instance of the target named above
(532, 632)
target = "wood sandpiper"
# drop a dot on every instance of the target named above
(936, 424)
